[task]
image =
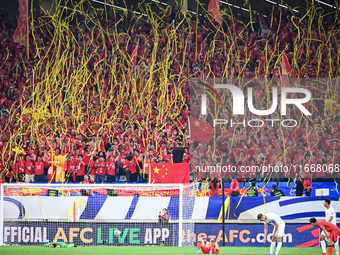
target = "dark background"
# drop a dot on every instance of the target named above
(11, 6)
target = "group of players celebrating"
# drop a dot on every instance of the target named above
(329, 234)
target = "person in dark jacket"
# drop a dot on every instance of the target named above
(252, 190)
(299, 186)
(276, 192)
(177, 153)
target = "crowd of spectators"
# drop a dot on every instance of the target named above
(78, 103)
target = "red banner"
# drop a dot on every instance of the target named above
(170, 173)
(20, 34)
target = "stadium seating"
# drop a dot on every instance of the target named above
(118, 89)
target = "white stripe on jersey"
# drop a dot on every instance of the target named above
(272, 218)
(330, 212)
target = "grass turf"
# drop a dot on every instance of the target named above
(150, 250)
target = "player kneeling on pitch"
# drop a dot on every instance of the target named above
(330, 230)
(207, 248)
(278, 232)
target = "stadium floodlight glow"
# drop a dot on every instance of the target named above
(194, 12)
(117, 7)
(233, 5)
(327, 4)
(139, 13)
(270, 2)
(159, 2)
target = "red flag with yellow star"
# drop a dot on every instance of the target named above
(170, 173)
(200, 131)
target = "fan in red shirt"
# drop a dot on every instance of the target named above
(29, 169)
(331, 231)
(80, 169)
(130, 167)
(101, 170)
(125, 111)
(215, 187)
(71, 169)
(92, 168)
(21, 168)
(1, 165)
(87, 181)
(11, 170)
(122, 157)
(234, 187)
(39, 169)
(111, 169)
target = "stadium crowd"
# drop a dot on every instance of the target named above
(100, 97)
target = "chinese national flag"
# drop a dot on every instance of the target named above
(214, 9)
(286, 68)
(170, 173)
(200, 131)
(20, 34)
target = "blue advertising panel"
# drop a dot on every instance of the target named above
(38, 233)
(296, 235)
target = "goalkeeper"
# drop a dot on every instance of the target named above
(163, 217)
(59, 245)
(207, 248)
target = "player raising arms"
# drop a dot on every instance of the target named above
(330, 217)
(278, 232)
(330, 230)
(207, 248)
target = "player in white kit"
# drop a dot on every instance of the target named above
(330, 217)
(278, 232)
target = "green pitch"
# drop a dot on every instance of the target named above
(149, 250)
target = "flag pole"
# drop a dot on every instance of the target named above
(223, 213)
(28, 31)
(149, 176)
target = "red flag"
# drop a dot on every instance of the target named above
(134, 54)
(170, 173)
(20, 34)
(214, 9)
(286, 68)
(285, 65)
(200, 131)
